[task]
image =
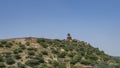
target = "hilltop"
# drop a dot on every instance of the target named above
(30, 52)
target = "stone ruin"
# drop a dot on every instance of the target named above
(69, 38)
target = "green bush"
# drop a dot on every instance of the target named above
(8, 54)
(44, 52)
(82, 53)
(103, 65)
(62, 65)
(72, 66)
(32, 49)
(61, 45)
(73, 61)
(20, 50)
(32, 62)
(1, 45)
(40, 59)
(39, 40)
(2, 65)
(31, 53)
(10, 61)
(44, 65)
(55, 64)
(86, 62)
(8, 45)
(3, 42)
(17, 56)
(92, 57)
(1, 59)
(39, 55)
(42, 42)
(70, 54)
(16, 51)
(22, 47)
(69, 48)
(20, 65)
(44, 45)
(27, 43)
(62, 55)
(54, 51)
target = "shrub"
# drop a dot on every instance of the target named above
(1, 45)
(62, 65)
(39, 40)
(3, 42)
(69, 48)
(1, 59)
(103, 65)
(22, 47)
(61, 45)
(44, 65)
(27, 43)
(39, 55)
(2, 65)
(20, 65)
(8, 45)
(57, 40)
(10, 61)
(55, 64)
(20, 50)
(55, 51)
(17, 56)
(70, 54)
(31, 53)
(44, 45)
(8, 54)
(32, 62)
(32, 49)
(86, 62)
(42, 42)
(73, 61)
(44, 52)
(82, 53)
(62, 55)
(16, 51)
(72, 66)
(95, 58)
(40, 59)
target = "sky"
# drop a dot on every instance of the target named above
(94, 21)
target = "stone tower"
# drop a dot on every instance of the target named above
(69, 38)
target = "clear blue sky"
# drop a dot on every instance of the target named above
(93, 21)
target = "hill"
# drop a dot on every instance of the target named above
(33, 52)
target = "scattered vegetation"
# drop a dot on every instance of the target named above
(53, 53)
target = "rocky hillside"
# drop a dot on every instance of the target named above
(52, 53)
